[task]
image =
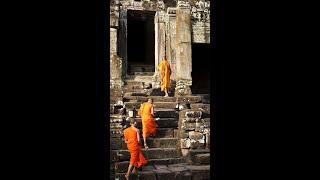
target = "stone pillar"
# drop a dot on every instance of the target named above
(183, 49)
(123, 40)
(160, 42)
(115, 61)
(171, 40)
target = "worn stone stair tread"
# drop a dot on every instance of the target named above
(198, 167)
(151, 153)
(117, 143)
(192, 99)
(163, 124)
(196, 172)
(170, 105)
(199, 159)
(138, 119)
(150, 175)
(163, 109)
(165, 132)
(123, 166)
(197, 151)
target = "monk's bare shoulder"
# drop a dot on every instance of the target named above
(136, 129)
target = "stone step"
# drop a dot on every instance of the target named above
(197, 106)
(162, 173)
(200, 159)
(167, 105)
(205, 98)
(192, 99)
(165, 113)
(116, 133)
(136, 93)
(145, 99)
(118, 143)
(151, 153)
(162, 123)
(161, 133)
(199, 153)
(177, 172)
(141, 68)
(144, 73)
(201, 172)
(164, 133)
(123, 166)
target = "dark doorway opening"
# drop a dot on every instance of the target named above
(141, 42)
(201, 54)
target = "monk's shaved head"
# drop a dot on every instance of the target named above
(150, 100)
(132, 121)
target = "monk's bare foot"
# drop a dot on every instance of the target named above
(166, 95)
(126, 176)
(145, 146)
(134, 171)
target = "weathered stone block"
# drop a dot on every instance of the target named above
(185, 143)
(117, 143)
(157, 166)
(151, 153)
(197, 144)
(184, 134)
(200, 172)
(115, 125)
(190, 99)
(165, 113)
(185, 152)
(164, 133)
(162, 122)
(202, 158)
(198, 106)
(114, 21)
(164, 174)
(116, 133)
(188, 126)
(195, 135)
(115, 67)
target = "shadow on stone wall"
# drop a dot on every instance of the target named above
(158, 92)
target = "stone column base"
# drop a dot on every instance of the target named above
(183, 88)
(156, 81)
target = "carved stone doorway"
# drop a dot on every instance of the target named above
(140, 42)
(200, 71)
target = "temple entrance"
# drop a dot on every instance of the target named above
(140, 42)
(200, 71)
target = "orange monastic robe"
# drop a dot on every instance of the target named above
(149, 126)
(136, 157)
(165, 72)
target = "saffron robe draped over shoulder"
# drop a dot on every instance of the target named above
(136, 157)
(165, 72)
(149, 126)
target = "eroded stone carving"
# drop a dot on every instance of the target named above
(183, 4)
(183, 87)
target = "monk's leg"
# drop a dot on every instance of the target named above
(128, 172)
(144, 134)
(166, 92)
(145, 140)
(134, 171)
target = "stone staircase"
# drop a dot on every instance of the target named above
(165, 158)
(141, 69)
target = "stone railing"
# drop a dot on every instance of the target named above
(194, 131)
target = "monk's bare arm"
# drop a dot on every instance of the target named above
(138, 136)
(152, 111)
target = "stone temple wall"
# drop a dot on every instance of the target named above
(178, 24)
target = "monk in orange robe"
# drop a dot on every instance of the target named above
(149, 126)
(132, 139)
(165, 73)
